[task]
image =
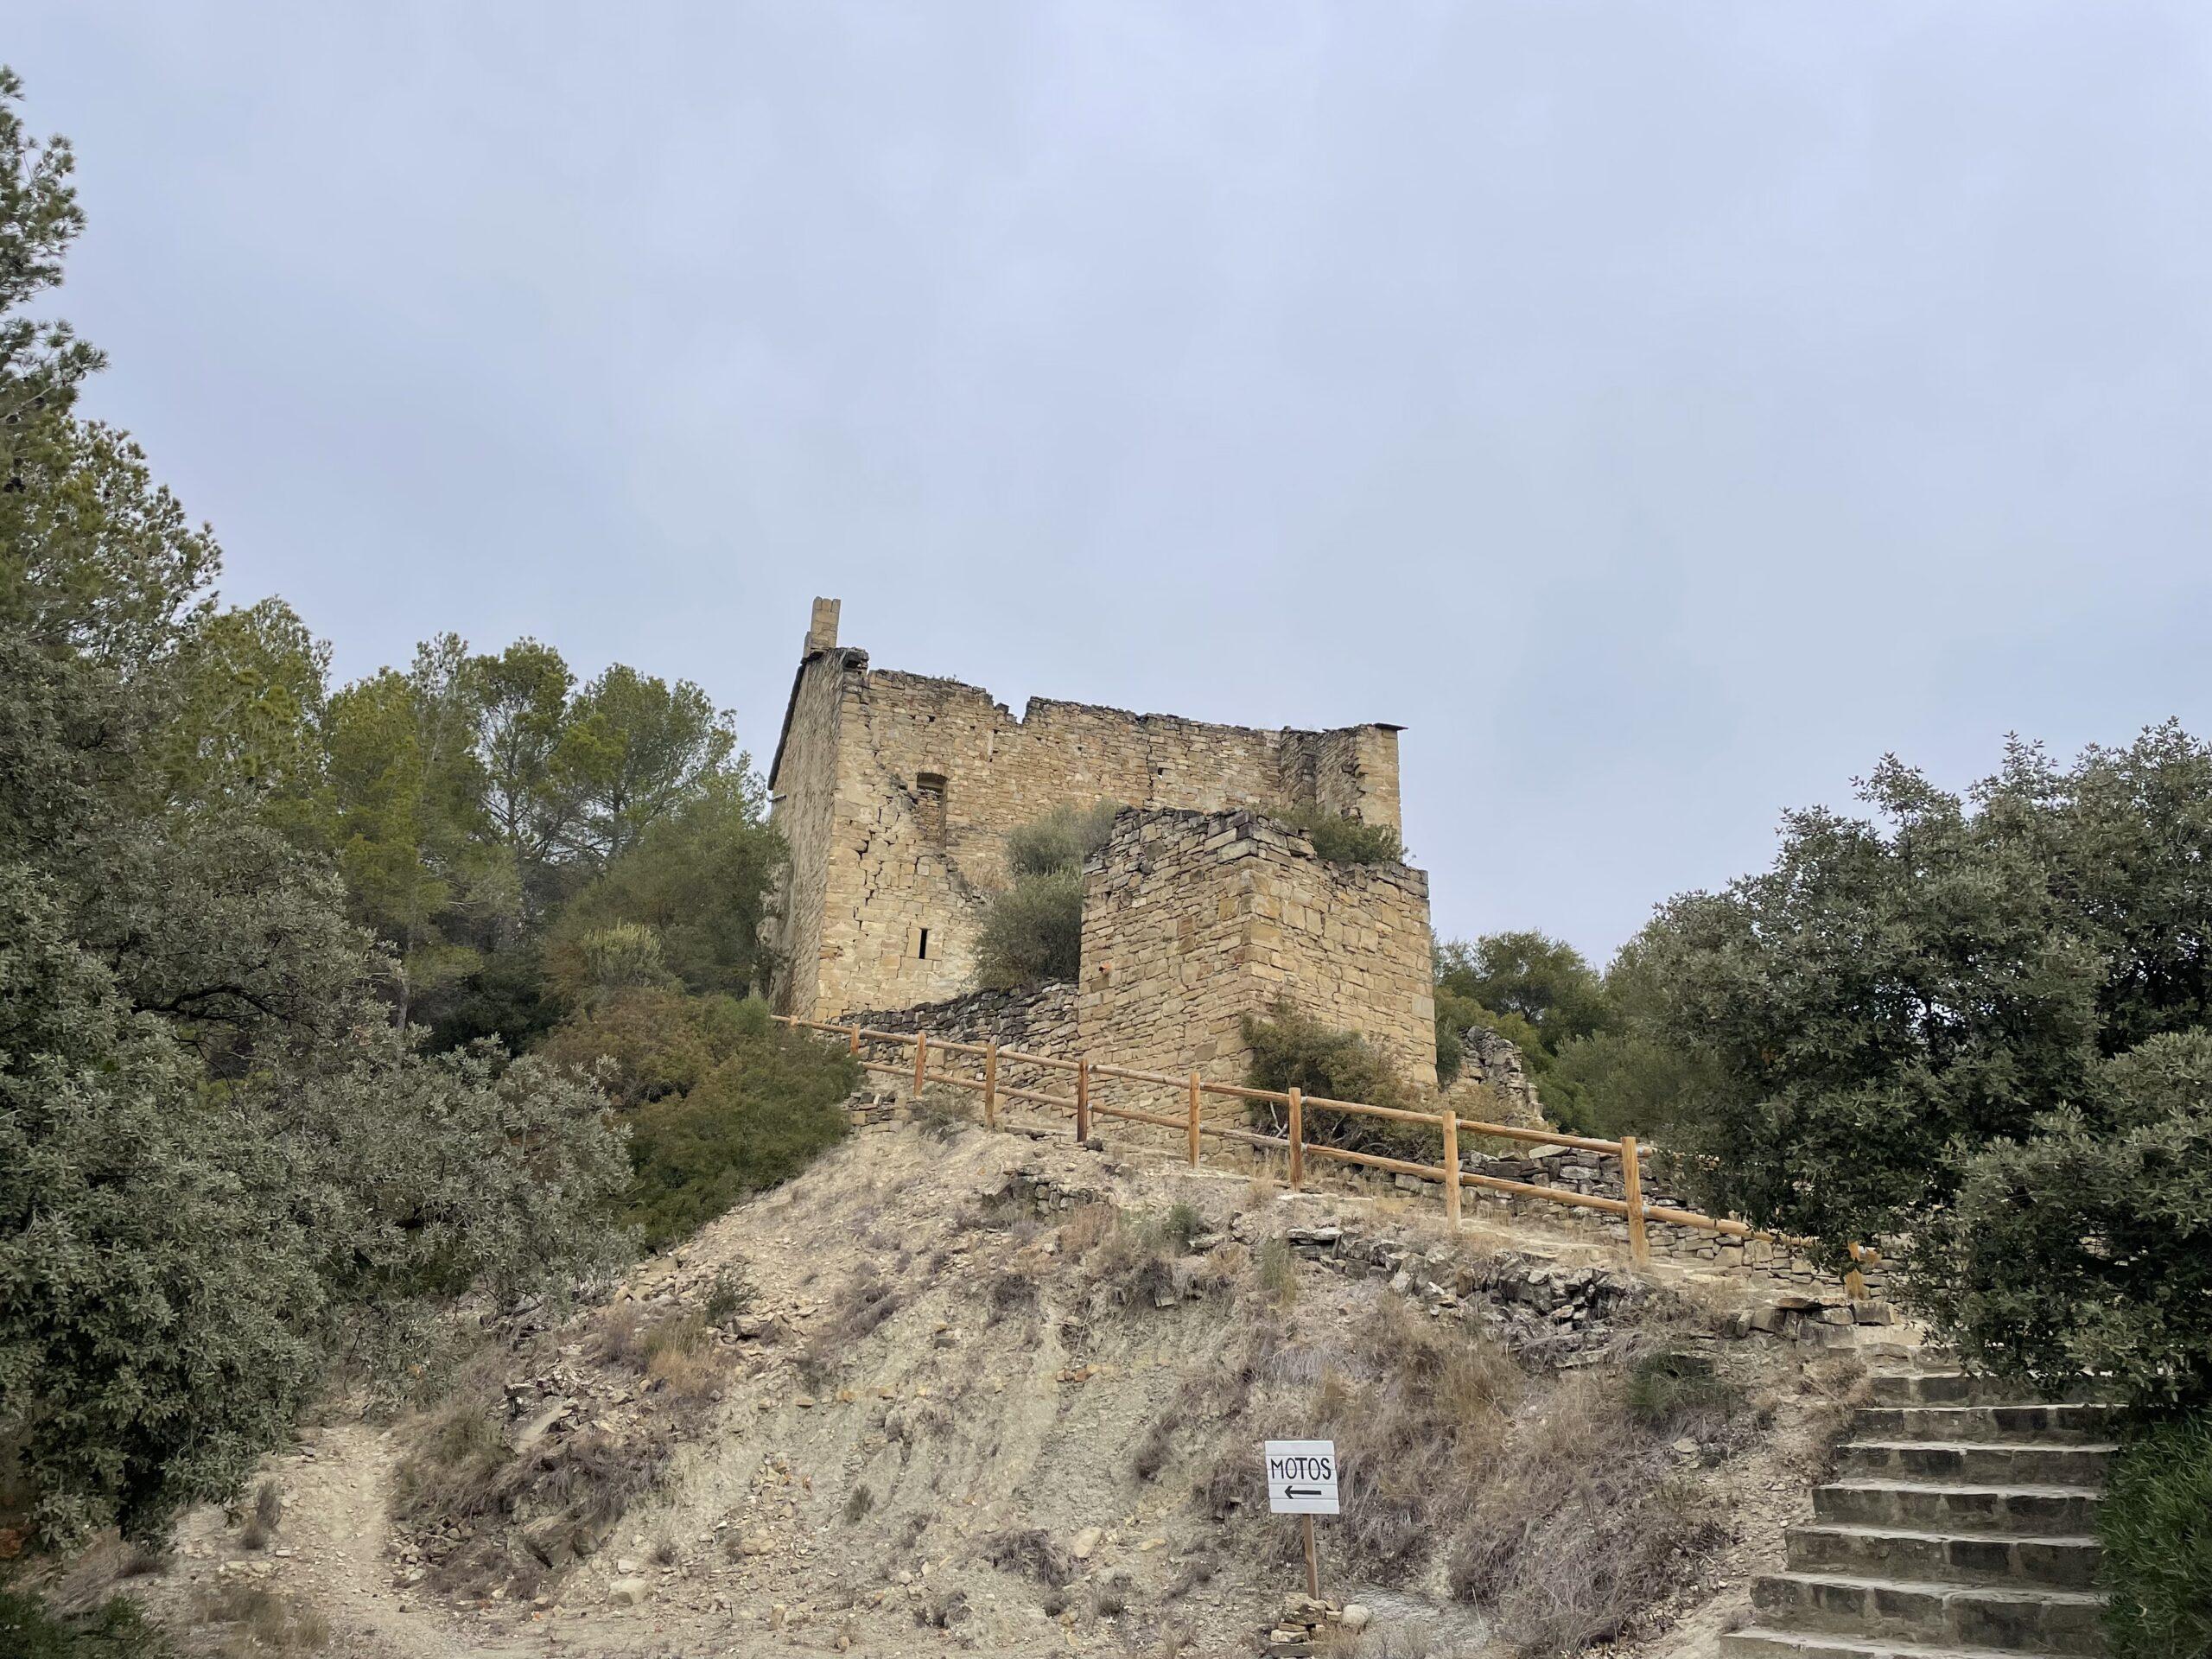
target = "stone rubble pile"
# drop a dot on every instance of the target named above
(1304, 1625)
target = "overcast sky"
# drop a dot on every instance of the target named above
(1661, 409)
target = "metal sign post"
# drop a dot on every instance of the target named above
(1302, 1481)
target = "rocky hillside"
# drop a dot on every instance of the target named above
(975, 1392)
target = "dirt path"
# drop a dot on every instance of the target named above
(331, 1557)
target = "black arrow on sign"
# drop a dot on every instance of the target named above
(1302, 1491)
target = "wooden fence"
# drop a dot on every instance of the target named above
(1200, 1116)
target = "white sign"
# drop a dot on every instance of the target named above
(1302, 1476)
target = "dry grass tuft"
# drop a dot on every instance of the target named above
(1278, 1271)
(1153, 1451)
(1417, 1409)
(1013, 1292)
(1086, 1229)
(1582, 1524)
(518, 1518)
(866, 1303)
(1030, 1553)
(268, 1512)
(940, 1115)
(250, 1620)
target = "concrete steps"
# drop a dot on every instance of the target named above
(2065, 1561)
(1924, 1506)
(1978, 1463)
(2070, 1424)
(1961, 1525)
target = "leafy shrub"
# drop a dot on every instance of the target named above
(1346, 840)
(1293, 1050)
(732, 1293)
(2087, 1247)
(2155, 1528)
(1033, 931)
(1676, 1393)
(644, 1046)
(758, 1119)
(29, 1629)
(1060, 841)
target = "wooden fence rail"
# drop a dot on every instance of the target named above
(1195, 1090)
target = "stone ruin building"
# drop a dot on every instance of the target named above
(896, 793)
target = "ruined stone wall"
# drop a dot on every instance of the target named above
(805, 811)
(925, 777)
(1037, 1020)
(1191, 920)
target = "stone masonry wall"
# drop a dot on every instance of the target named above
(896, 793)
(1191, 920)
(1041, 1020)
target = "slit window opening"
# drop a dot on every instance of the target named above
(923, 952)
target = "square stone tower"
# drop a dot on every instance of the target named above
(1191, 920)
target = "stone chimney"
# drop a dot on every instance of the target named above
(822, 632)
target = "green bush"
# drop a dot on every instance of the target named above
(757, 1120)
(1031, 932)
(1060, 841)
(2155, 1530)
(115, 1631)
(2087, 1247)
(1346, 840)
(1676, 1393)
(648, 1043)
(1293, 1050)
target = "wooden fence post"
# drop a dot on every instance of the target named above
(1297, 1139)
(991, 1083)
(1639, 1245)
(855, 1050)
(1083, 1100)
(1452, 1170)
(921, 1062)
(1194, 1120)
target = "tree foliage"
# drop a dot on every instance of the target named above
(773, 1103)
(2086, 1248)
(1976, 1023)
(1535, 991)
(219, 1157)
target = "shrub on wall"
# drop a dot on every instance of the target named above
(1060, 840)
(1033, 931)
(1346, 840)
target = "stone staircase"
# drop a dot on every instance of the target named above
(1960, 1525)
